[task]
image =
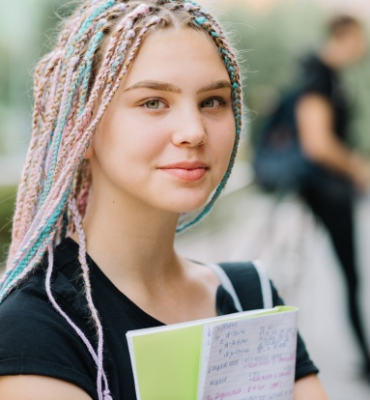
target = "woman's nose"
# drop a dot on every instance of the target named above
(190, 129)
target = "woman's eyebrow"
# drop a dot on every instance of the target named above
(165, 87)
(169, 87)
(215, 85)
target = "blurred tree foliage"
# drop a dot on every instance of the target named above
(17, 63)
(4, 71)
(7, 201)
(271, 46)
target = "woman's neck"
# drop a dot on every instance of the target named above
(131, 244)
(134, 246)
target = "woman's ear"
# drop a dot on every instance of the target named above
(89, 152)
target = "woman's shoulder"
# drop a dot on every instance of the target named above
(28, 306)
(30, 295)
(34, 336)
(26, 299)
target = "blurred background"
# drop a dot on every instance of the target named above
(247, 223)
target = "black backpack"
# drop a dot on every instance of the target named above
(247, 283)
(278, 161)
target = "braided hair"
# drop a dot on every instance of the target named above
(73, 86)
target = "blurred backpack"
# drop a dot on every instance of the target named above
(278, 162)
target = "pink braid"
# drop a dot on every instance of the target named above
(17, 220)
(65, 316)
(86, 277)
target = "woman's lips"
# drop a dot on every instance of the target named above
(186, 171)
(189, 175)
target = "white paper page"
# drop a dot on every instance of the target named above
(250, 359)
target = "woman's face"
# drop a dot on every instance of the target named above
(167, 135)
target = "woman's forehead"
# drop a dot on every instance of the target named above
(181, 54)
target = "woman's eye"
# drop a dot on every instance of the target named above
(212, 103)
(154, 104)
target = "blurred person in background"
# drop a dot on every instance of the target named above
(304, 147)
(337, 173)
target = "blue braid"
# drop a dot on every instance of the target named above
(56, 146)
(44, 234)
(85, 26)
(85, 75)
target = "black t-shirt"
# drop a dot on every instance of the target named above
(319, 78)
(35, 339)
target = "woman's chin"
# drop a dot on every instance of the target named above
(192, 204)
(188, 208)
(183, 202)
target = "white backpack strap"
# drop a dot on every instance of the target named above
(265, 284)
(226, 283)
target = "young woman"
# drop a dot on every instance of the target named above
(137, 118)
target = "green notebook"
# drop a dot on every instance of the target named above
(217, 358)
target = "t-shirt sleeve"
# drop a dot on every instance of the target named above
(36, 340)
(317, 81)
(304, 365)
